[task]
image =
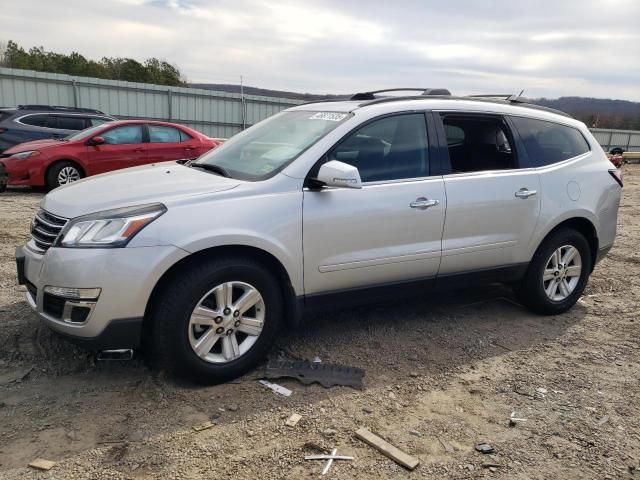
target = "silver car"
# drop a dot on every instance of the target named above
(203, 263)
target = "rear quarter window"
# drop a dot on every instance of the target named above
(547, 143)
(34, 120)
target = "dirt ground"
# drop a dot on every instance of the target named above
(439, 372)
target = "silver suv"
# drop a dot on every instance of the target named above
(202, 263)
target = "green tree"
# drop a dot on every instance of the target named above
(151, 70)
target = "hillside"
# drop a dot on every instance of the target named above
(595, 112)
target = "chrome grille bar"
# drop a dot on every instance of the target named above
(45, 228)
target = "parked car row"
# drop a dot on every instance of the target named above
(107, 144)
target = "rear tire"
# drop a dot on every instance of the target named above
(557, 274)
(62, 173)
(187, 339)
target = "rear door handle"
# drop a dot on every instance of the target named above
(422, 203)
(525, 193)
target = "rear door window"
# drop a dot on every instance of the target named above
(71, 122)
(547, 143)
(164, 134)
(478, 142)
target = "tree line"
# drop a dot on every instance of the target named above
(152, 70)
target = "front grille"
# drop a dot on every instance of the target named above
(52, 305)
(45, 228)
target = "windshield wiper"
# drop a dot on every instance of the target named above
(212, 168)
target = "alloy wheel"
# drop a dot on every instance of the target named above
(68, 175)
(562, 273)
(226, 322)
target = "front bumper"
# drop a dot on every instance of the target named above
(126, 277)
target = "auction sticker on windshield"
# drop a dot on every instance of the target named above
(331, 116)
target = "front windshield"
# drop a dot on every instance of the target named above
(266, 148)
(82, 134)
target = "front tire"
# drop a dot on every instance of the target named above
(63, 173)
(557, 274)
(216, 319)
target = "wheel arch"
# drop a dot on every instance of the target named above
(293, 305)
(57, 161)
(584, 226)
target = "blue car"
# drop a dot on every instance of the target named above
(35, 122)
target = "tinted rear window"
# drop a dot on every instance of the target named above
(71, 123)
(547, 142)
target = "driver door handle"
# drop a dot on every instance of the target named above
(422, 203)
(525, 193)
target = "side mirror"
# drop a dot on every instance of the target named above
(97, 141)
(339, 174)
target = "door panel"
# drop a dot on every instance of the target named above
(487, 225)
(371, 236)
(492, 204)
(123, 148)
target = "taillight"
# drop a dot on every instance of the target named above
(2, 130)
(616, 173)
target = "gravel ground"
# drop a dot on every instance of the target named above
(439, 372)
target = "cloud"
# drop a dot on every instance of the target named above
(548, 47)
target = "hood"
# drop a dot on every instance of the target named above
(33, 145)
(160, 182)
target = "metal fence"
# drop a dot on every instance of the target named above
(217, 114)
(629, 140)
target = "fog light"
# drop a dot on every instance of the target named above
(74, 293)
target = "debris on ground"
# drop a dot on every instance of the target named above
(15, 376)
(603, 420)
(203, 426)
(515, 418)
(315, 446)
(384, 447)
(279, 389)
(42, 464)
(446, 445)
(484, 448)
(317, 360)
(327, 375)
(293, 420)
(330, 458)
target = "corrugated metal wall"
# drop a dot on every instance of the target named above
(629, 140)
(217, 114)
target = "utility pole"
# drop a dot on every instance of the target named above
(244, 109)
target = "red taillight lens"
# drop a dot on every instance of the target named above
(616, 173)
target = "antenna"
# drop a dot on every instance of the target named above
(521, 92)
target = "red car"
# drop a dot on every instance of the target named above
(107, 147)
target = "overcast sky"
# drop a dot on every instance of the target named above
(548, 48)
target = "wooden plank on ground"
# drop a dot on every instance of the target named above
(42, 464)
(387, 449)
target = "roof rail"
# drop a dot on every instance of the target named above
(425, 91)
(53, 108)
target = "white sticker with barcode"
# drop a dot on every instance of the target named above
(331, 116)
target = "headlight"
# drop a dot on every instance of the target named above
(23, 155)
(111, 228)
